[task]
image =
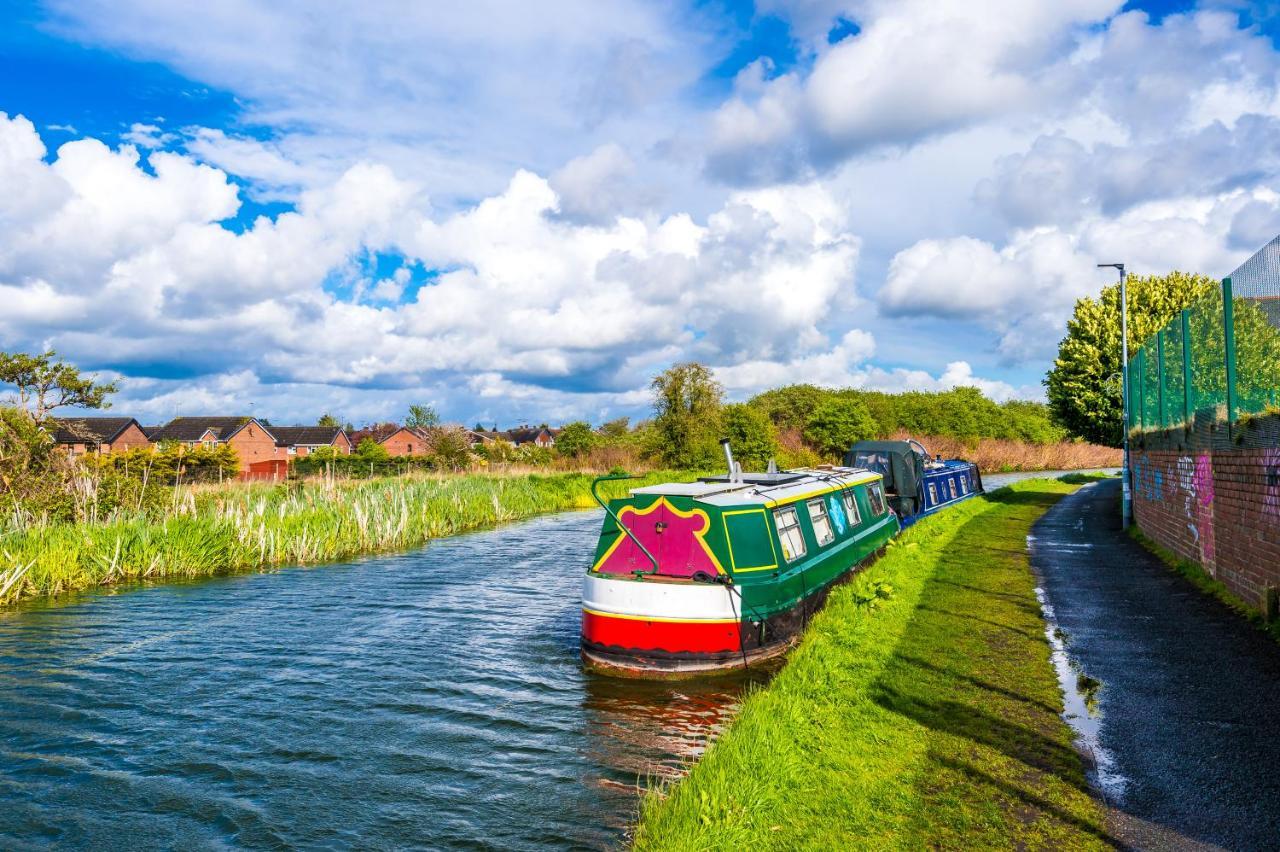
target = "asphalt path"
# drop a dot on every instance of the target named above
(1186, 729)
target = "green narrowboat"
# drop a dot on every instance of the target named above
(716, 574)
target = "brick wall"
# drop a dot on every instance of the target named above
(130, 439)
(253, 445)
(405, 443)
(1218, 508)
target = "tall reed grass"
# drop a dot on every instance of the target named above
(996, 455)
(211, 530)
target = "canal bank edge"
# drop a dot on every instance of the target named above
(238, 529)
(920, 709)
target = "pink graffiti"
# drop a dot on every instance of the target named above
(1204, 504)
(1271, 482)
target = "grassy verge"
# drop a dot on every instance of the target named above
(1200, 578)
(225, 529)
(928, 720)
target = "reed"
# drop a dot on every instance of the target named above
(997, 455)
(211, 530)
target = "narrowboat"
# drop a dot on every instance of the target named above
(916, 483)
(716, 574)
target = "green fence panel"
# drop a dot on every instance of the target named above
(1151, 385)
(1208, 360)
(1175, 382)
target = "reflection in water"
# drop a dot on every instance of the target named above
(428, 699)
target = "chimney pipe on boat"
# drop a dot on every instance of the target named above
(728, 457)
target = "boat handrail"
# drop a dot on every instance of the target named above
(614, 477)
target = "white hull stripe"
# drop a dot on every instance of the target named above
(670, 601)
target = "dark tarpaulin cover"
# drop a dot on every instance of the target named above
(901, 464)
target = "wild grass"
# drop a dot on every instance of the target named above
(925, 718)
(209, 530)
(996, 455)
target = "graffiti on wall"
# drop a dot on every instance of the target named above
(1204, 505)
(1195, 484)
(1148, 481)
(1271, 482)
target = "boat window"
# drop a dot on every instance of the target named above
(933, 493)
(818, 517)
(875, 497)
(964, 485)
(951, 486)
(851, 508)
(789, 532)
(879, 462)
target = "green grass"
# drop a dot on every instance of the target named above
(225, 529)
(928, 719)
(1198, 577)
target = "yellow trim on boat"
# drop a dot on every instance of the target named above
(728, 538)
(796, 498)
(659, 618)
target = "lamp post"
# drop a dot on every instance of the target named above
(1126, 504)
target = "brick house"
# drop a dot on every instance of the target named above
(407, 441)
(299, 441)
(80, 435)
(539, 436)
(251, 440)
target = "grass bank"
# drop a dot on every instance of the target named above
(928, 719)
(212, 530)
(997, 455)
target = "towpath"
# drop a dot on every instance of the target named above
(1188, 717)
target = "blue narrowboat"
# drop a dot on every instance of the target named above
(916, 483)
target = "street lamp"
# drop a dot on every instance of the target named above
(1126, 505)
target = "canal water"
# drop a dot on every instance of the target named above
(429, 699)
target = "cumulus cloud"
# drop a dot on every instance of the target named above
(1026, 289)
(532, 302)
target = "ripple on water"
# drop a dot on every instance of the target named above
(432, 698)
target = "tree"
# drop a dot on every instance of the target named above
(576, 439)
(422, 417)
(790, 407)
(686, 403)
(450, 449)
(329, 421)
(370, 450)
(750, 434)
(45, 384)
(1084, 385)
(616, 429)
(838, 423)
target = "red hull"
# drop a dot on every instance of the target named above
(641, 636)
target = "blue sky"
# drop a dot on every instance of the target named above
(362, 207)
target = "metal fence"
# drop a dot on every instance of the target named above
(1211, 376)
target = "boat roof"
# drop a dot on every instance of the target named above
(798, 485)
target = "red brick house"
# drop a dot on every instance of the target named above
(407, 441)
(80, 435)
(249, 438)
(299, 441)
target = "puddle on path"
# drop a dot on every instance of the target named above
(1080, 697)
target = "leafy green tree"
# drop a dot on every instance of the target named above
(687, 406)
(576, 439)
(838, 423)
(422, 417)
(790, 407)
(450, 449)
(328, 420)
(45, 384)
(617, 428)
(751, 435)
(1084, 385)
(371, 450)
